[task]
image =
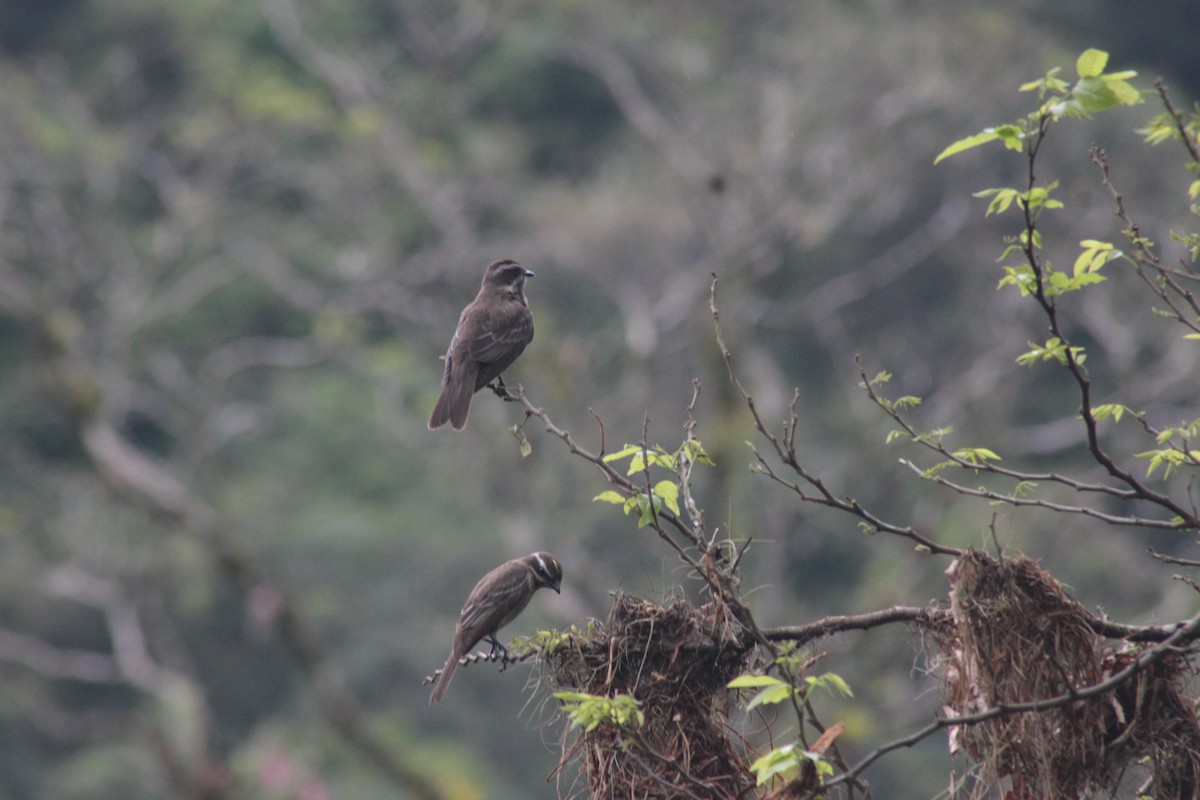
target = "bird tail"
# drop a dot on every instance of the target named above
(443, 681)
(454, 402)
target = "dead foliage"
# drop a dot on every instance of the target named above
(1014, 637)
(676, 661)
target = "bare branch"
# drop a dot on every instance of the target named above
(785, 451)
(827, 626)
(1178, 117)
(1169, 289)
(1183, 562)
(1013, 500)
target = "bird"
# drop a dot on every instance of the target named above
(495, 601)
(492, 331)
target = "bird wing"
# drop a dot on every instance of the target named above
(494, 602)
(502, 337)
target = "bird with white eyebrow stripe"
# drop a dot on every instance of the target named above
(496, 600)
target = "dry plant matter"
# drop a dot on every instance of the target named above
(676, 661)
(1015, 637)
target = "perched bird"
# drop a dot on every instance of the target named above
(492, 331)
(495, 601)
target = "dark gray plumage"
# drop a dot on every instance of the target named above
(495, 601)
(492, 331)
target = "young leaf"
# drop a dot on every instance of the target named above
(1114, 410)
(590, 711)
(609, 497)
(987, 135)
(646, 510)
(754, 681)
(624, 452)
(773, 689)
(831, 683)
(1091, 63)
(782, 762)
(669, 493)
(771, 695)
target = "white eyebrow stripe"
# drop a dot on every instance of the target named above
(541, 564)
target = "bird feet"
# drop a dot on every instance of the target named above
(501, 390)
(503, 656)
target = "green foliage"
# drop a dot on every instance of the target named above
(589, 711)
(664, 492)
(545, 642)
(976, 455)
(1167, 126)
(776, 690)
(1094, 256)
(1094, 91)
(784, 763)
(1055, 349)
(1179, 454)
(1109, 410)
(639, 456)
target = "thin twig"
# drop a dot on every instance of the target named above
(1182, 562)
(785, 451)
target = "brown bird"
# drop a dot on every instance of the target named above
(495, 601)
(492, 331)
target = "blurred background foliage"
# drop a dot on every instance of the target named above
(235, 239)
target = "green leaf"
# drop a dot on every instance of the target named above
(1114, 410)
(1091, 63)
(1020, 276)
(669, 493)
(1097, 93)
(936, 468)
(782, 762)
(625, 452)
(1095, 255)
(749, 681)
(1002, 199)
(771, 695)
(1125, 93)
(831, 683)
(696, 452)
(1023, 488)
(609, 497)
(589, 711)
(976, 455)
(988, 135)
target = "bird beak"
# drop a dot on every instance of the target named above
(528, 273)
(555, 586)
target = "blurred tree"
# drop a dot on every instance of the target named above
(233, 241)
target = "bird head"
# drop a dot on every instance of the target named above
(547, 572)
(506, 274)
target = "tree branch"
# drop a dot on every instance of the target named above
(785, 451)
